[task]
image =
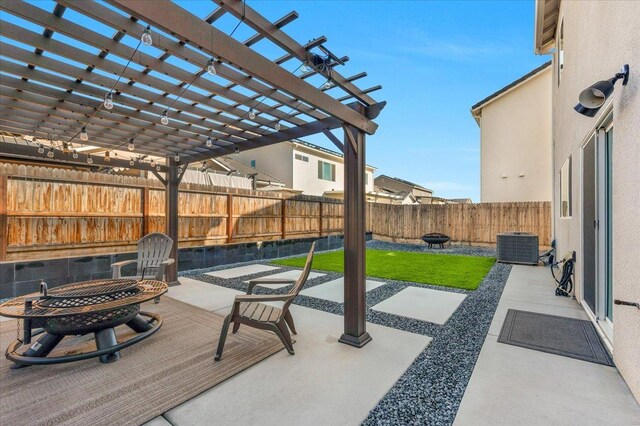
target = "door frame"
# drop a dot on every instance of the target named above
(603, 325)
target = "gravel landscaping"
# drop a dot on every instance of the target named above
(430, 390)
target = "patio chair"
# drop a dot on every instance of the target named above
(248, 309)
(153, 258)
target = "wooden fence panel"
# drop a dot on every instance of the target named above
(69, 210)
(467, 223)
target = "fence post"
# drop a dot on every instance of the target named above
(229, 218)
(4, 226)
(145, 211)
(320, 220)
(284, 219)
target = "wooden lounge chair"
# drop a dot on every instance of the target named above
(248, 309)
(153, 258)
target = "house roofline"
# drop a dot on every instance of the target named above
(406, 182)
(477, 108)
(546, 15)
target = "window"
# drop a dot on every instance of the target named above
(302, 158)
(326, 171)
(561, 52)
(253, 164)
(565, 189)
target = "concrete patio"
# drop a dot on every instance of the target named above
(513, 385)
(322, 374)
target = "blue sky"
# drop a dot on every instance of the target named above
(434, 60)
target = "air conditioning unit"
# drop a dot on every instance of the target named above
(517, 247)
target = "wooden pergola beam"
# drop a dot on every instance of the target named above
(241, 10)
(115, 20)
(26, 151)
(175, 20)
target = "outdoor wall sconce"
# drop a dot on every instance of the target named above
(592, 98)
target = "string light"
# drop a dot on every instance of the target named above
(305, 68)
(50, 153)
(237, 150)
(277, 126)
(40, 149)
(146, 36)
(152, 163)
(209, 142)
(108, 100)
(65, 147)
(89, 159)
(107, 158)
(83, 134)
(164, 119)
(158, 169)
(75, 154)
(176, 158)
(327, 85)
(130, 145)
(132, 162)
(252, 114)
(211, 67)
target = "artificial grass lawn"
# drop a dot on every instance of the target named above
(448, 270)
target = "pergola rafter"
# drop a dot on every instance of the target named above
(56, 85)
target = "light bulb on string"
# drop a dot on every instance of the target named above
(108, 100)
(211, 67)
(237, 152)
(132, 162)
(83, 134)
(158, 168)
(164, 118)
(176, 158)
(41, 149)
(252, 114)
(327, 85)
(146, 38)
(305, 68)
(75, 154)
(130, 145)
(89, 159)
(277, 126)
(107, 157)
(152, 163)
(209, 142)
(50, 153)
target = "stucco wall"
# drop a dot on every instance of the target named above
(279, 161)
(599, 38)
(272, 160)
(305, 174)
(515, 135)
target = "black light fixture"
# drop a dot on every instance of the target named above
(592, 98)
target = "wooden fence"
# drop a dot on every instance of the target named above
(466, 223)
(47, 212)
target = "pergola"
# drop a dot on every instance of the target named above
(219, 95)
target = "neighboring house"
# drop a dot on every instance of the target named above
(259, 179)
(393, 185)
(303, 166)
(515, 139)
(596, 161)
(460, 200)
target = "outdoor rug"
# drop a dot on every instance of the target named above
(151, 377)
(569, 337)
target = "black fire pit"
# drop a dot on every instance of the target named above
(77, 309)
(435, 238)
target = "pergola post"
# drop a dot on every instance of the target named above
(355, 307)
(171, 217)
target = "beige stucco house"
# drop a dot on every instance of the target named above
(596, 163)
(302, 166)
(515, 139)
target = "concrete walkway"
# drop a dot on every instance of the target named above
(512, 385)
